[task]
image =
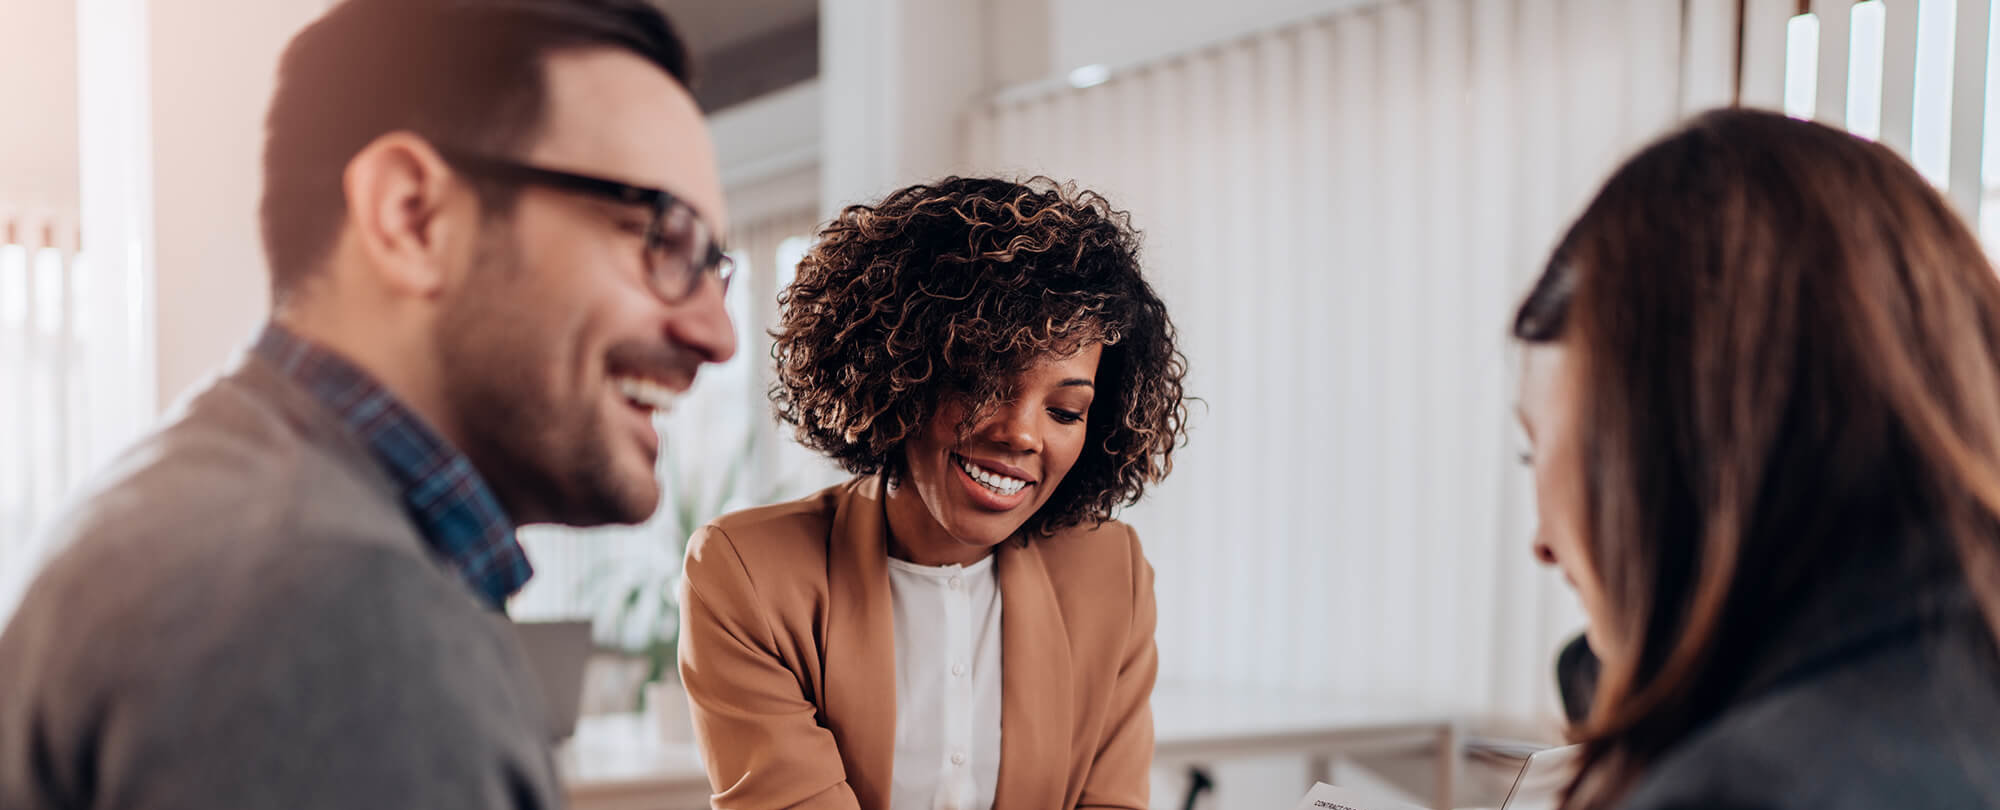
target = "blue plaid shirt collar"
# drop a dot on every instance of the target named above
(451, 504)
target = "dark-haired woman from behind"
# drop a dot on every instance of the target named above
(1763, 391)
(985, 357)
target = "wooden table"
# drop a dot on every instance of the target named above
(617, 762)
(1198, 725)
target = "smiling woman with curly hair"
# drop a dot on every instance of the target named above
(988, 361)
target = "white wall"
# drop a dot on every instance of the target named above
(38, 156)
(769, 151)
(1120, 32)
(899, 77)
(1017, 41)
(211, 84)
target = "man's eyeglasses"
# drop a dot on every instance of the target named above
(680, 247)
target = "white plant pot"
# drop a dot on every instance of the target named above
(667, 706)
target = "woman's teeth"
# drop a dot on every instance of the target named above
(647, 394)
(993, 481)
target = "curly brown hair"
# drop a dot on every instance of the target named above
(952, 290)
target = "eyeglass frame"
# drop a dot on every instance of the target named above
(716, 263)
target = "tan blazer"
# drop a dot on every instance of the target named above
(788, 651)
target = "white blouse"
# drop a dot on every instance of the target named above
(947, 686)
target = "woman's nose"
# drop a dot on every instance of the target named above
(1014, 428)
(1543, 552)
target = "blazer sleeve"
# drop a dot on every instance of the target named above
(1120, 772)
(760, 738)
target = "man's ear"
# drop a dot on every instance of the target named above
(408, 213)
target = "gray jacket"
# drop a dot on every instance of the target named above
(1884, 697)
(243, 617)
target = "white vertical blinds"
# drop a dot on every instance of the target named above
(1340, 215)
(35, 257)
(65, 379)
(1711, 33)
(1917, 70)
(1899, 75)
(1968, 105)
(1835, 24)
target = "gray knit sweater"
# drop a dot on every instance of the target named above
(243, 617)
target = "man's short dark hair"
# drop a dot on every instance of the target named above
(467, 73)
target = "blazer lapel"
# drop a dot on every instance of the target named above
(1036, 715)
(859, 644)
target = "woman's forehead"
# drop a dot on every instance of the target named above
(1542, 367)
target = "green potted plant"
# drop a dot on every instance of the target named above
(637, 593)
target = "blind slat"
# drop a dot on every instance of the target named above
(1968, 107)
(1764, 24)
(1835, 37)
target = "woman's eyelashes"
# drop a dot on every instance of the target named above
(1525, 441)
(1066, 417)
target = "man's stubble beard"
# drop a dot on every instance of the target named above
(542, 448)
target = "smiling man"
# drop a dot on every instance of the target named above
(493, 229)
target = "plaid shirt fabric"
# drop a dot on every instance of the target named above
(451, 505)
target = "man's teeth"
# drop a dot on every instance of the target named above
(993, 481)
(647, 394)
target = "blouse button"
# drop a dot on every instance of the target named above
(958, 758)
(958, 669)
(957, 583)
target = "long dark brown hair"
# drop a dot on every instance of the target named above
(1788, 347)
